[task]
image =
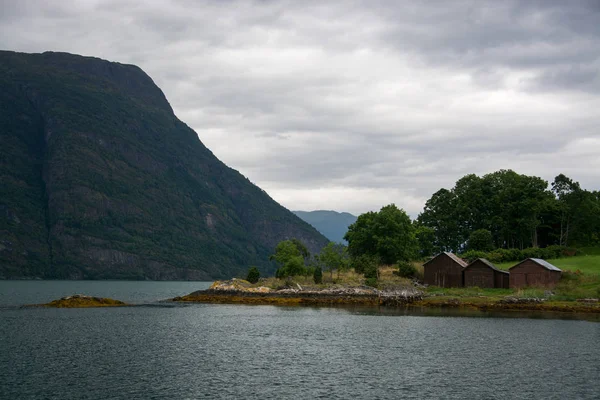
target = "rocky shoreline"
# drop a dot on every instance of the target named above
(232, 292)
(300, 298)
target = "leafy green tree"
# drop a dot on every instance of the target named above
(388, 234)
(334, 256)
(512, 207)
(440, 215)
(284, 251)
(302, 249)
(253, 275)
(426, 240)
(480, 240)
(289, 258)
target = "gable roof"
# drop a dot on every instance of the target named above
(540, 262)
(456, 258)
(453, 256)
(489, 264)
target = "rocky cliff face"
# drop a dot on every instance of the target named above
(101, 180)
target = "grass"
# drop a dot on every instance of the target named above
(469, 292)
(580, 280)
(387, 280)
(588, 263)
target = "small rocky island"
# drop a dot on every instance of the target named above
(82, 301)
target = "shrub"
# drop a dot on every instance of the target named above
(318, 275)
(533, 252)
(406, 269)
(371, 282)
(554, 251)
(473, 255)
(253, 275)
(364, 264)
(513, 255)
(495, 256)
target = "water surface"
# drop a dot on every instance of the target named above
(268, 352)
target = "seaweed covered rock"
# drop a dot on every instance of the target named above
(81, 301)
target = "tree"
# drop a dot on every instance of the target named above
(289, 258)
(253, 275)
(334, 256)
(425, 239)
(481, 240)
(388, 234)
(318, 275)
(568, 194)
(301, 248)
(440, 215)
(511, 206)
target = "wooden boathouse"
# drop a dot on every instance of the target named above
(534, 272)
(484, 274)
(444, 270)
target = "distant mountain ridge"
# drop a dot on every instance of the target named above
(100, 180)
(332, 224)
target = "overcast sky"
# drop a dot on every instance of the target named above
(352, 105)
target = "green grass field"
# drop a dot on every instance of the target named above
(588, 263)
(581, 279)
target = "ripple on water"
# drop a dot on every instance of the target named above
(266, 352)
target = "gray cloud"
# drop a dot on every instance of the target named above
(353, 105)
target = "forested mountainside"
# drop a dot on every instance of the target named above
(332, 224)
(100, 180)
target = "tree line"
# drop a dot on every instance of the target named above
(503, 216)
(518, 211)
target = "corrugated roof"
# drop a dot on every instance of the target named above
(545, 264)
(456, 258)
(489, 264)
(541, 262)
(453, 256)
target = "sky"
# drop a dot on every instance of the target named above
(352, 105)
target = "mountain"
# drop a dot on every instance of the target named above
(100, 180)
(332, 224)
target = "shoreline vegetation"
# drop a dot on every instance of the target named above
(575, 293)
(237, 291)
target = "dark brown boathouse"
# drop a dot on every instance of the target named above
(534, 272)
(484, 274)
(444, 270)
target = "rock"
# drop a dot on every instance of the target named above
(231, 285)
(83, 301)
(520, 300)
(588, 300)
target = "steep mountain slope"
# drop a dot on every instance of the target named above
(332, 224)
(101, 180)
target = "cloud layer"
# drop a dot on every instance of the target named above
(353, 105)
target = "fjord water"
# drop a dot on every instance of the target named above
(158, 351)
